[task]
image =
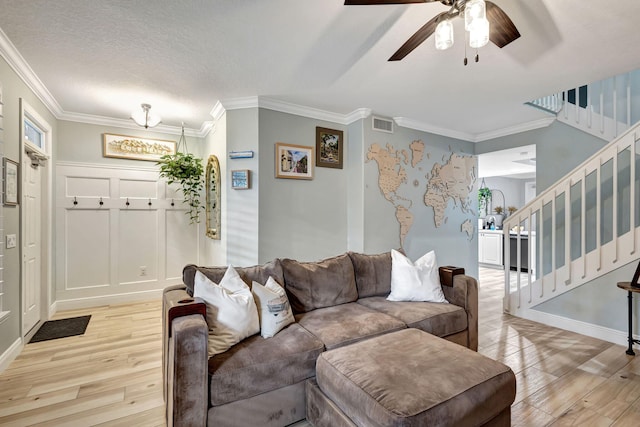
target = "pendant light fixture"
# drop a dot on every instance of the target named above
(145, 117)
(475, 23)
(444, 35)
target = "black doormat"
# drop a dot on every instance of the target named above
(54, 329)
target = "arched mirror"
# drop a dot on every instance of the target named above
(212, 187)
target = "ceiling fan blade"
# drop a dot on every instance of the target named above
(370, 2)
(415, 40)
(502, 31)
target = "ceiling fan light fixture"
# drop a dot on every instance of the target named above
(444, 35)
(474, 10)
(479, 33)
(145, 117)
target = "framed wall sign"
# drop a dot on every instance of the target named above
(240, 179)
(132, 147)
(10, 186)
(294, 161)
(329, 147)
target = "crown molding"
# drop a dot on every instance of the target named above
(26, 74)
(425, 127)
(287, 107)
(511, 130)
(129, 124)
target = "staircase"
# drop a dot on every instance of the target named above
(586, 225)
(604, 109)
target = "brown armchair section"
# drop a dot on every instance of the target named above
(464, 293)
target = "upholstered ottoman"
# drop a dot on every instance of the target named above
(409, 378)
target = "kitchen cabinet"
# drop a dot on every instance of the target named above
(491, 247)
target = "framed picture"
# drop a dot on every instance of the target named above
(240, 179)
(132, 147)
(329, 145)
(10, 184)
(294, 161)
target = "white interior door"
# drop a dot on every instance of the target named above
(32, 246)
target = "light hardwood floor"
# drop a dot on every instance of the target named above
(111, 376)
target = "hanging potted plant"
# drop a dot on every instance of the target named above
(484, 196)
(186, 170)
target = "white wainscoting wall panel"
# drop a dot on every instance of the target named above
(122, 234)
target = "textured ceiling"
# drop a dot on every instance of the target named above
(104, 58)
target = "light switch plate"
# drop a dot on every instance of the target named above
(11, 241)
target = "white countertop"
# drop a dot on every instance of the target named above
(490, 231)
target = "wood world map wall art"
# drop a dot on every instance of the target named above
(451, 181)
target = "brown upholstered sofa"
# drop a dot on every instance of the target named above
(336, 302)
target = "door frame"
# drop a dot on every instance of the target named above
(47, 308)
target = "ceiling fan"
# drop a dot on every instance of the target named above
(502, 30)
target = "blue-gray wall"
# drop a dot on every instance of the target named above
(559, 149)
(300, 219)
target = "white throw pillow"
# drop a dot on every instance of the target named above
(273, 307)
(231, 311)
(415, 282)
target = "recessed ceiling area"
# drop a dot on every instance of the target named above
(519, 162)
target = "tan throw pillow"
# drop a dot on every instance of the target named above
(415, 282)
(231, 310)
(273, 307)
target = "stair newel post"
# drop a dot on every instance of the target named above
(530, 256)
(583, 223)
(615, 206)
(632, 190)
(598, 214)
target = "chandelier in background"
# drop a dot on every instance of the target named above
(145, 117)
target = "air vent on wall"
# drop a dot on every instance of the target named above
(383, 125)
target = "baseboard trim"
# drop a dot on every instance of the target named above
(76, 303)
(53, 309)
(10, 354)
(589, 329)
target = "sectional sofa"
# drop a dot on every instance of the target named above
(336, 302)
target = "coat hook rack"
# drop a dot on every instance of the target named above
(127, 202)
(101, 202)
(75, 200)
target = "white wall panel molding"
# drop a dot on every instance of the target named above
(120, 231)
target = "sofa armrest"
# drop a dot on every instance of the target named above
(464, 293)
(184, 357)
(187, 379)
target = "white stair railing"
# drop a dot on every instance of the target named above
(610, 107)
(584, 226)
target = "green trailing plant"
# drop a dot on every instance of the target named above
(187, 171)
(484, 195)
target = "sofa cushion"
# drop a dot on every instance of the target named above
(417, 281)
(273, 307)
(257, 365)
(437, 319)
(231, 315)
(325, 283)
(259, 273)
(347, 323)
(373, 274)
